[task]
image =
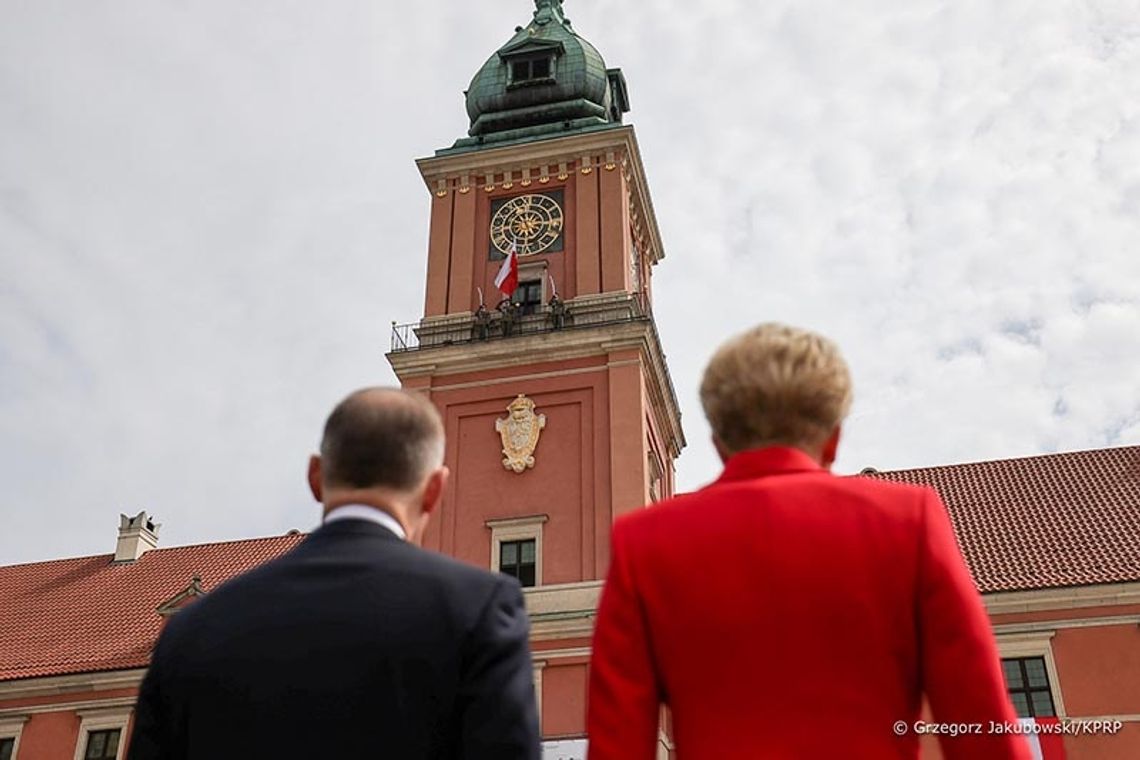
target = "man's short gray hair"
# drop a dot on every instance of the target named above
(775, 385)
(383, 437)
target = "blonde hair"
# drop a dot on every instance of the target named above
(773, 385)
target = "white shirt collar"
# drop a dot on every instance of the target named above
(371, 514)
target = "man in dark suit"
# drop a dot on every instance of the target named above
(357, 644)
(786, 613)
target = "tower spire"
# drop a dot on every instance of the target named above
(547, 10)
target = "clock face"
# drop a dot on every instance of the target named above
(533, 223)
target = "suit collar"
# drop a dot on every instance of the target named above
(771, 460)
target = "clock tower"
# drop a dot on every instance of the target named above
(559, 410)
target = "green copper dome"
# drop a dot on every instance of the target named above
(545, 80)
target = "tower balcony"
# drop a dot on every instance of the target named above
(494, 325)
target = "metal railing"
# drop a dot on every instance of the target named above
(496, 325)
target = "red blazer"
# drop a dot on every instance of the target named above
(783, 612)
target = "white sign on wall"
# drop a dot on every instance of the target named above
(565, 749)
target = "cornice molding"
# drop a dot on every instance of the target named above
(112, 708)
(79, 682)
(513, 158)
(1048, 627)
(1047, 600)
(563, 597)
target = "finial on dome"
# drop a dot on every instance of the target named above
(547, 10)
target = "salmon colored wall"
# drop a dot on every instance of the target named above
(590, 458)
(1099, 669)
(589, 465)
(1125, 744)
(463, 253)
(564, 700)
(49, 736)
(557, 486)
(588, 231)
(615, 233)
(629, 489)
(439, 255)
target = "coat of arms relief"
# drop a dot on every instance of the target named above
(519, 432)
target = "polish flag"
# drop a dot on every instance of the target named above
(1044, 738)
(508, 277)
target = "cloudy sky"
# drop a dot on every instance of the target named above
(210, 214)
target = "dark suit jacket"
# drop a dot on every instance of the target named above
(354, 645)
(784, 613)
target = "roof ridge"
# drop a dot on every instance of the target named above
(1025, 458)
(229, 541)
(110, 555)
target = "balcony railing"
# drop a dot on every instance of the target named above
(495, 325)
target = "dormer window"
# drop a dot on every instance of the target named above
(532, 70)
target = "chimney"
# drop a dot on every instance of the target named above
(137, 536)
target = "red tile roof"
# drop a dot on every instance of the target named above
(89, 614)
(1069, 519)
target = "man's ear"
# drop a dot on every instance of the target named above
(315, 477)
(830, 448)
(721, 449)
(433, 490)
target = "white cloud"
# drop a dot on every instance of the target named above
(209, 215)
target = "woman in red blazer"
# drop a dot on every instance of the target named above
(783, 612)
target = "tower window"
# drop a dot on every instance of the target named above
(531, 70)
(1028, 685)
(6, 747)
(528, 296)
(517, 559)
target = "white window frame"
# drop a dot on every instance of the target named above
(1035, 645)
(103, 719)
(518, 529)
(11, 728)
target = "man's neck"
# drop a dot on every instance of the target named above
(367, 514)
(382, 503)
